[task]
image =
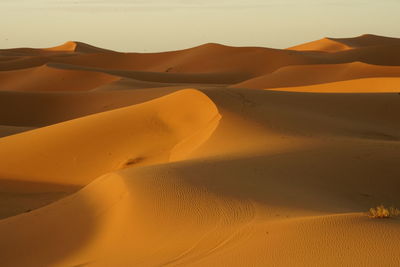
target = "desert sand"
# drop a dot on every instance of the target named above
(208, 156)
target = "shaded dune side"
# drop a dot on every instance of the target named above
(366, 85)
(166, 77)
(280, 121)
(37, 109)
(6, 130)
(23, 62)
(66, 49)
(315, 74)
(7, 58)
(377, 55)
(90, 146)
(368, 40)
(129, 84)
(45, 78)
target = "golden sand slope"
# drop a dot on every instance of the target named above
(325, 45)
(108, 159)
(86, 147)
(243, 210)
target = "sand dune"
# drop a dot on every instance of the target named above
(47, 78)
(339, 44)
(208, 58)
(179, 159)
(165, 77)
(325, 45)
(67, 47)
(368, 40)
(148, 133)
(79, 47)
(315, 74)
(261, 217)
(22, 62)
(213, 58)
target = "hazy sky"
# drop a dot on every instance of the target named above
(158, 25)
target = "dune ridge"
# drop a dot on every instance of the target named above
(73, 46)
(47, 78)
(208, 156)
(81, 165)
(328, 44)
(301, 75)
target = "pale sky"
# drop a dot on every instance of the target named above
(161, 25)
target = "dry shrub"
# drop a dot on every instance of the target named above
(380, 212)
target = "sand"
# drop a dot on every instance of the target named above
(208, 156)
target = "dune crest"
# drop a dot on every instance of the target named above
(147, 133)
(325, 45)
(69, 46)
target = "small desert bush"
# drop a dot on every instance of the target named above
(380, 212)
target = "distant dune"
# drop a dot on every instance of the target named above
(207, 156)
(78, 47)
(339, 44)
(301, 75)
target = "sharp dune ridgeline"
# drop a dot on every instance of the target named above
(208, 156)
